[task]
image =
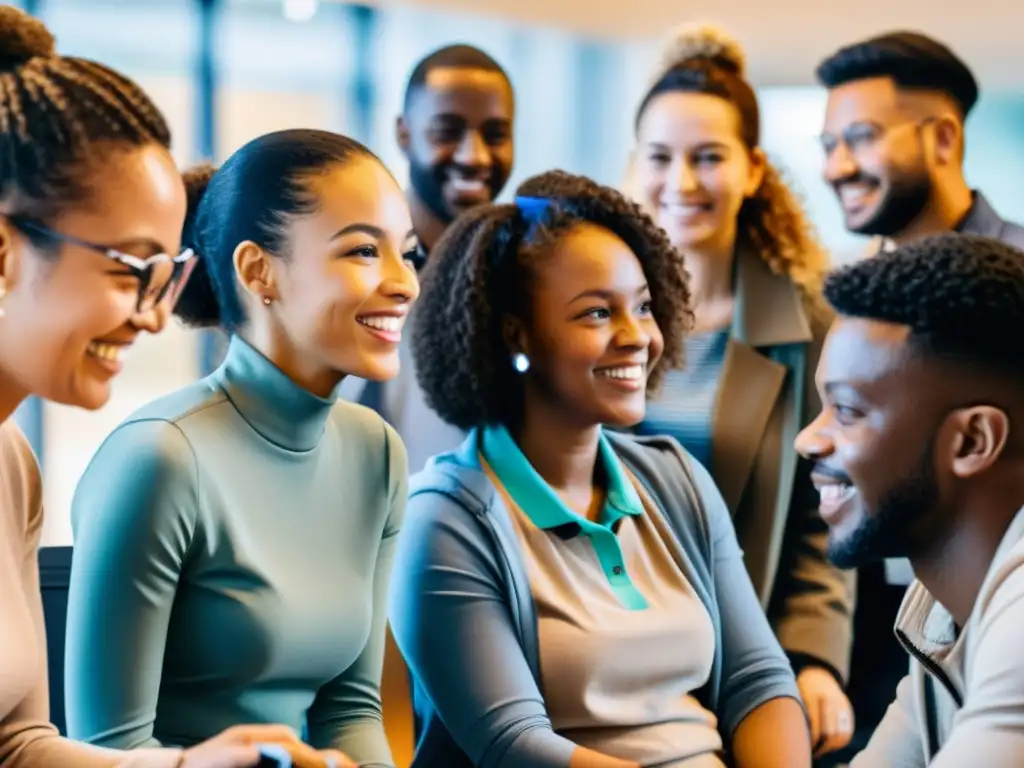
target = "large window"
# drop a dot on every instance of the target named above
(299, 63)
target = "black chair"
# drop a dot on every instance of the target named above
(54, 580)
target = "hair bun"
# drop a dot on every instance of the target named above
(22, 37)
(689, 43)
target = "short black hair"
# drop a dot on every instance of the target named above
(57, 115)
(914, 62)
(961, 295)
(480, 271)
(460, 56)
(251, 197)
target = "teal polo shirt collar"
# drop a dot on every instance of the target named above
(541, 504)
(536, 498)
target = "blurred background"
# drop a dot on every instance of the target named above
(225, 71)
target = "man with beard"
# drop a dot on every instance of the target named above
(919, 452)
(894, 149)
(456, 132)
(894, 140)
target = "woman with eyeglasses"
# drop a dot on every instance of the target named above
(91, 204)
(235, 538)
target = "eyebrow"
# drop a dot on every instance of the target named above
(453, 117)
(139, 242)
(702, 145)
(600, 293)
(367, 229)
(831, 387)
(874, 125)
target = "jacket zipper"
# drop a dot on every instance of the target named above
(935, 672)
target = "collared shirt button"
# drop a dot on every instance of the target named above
(617, 570)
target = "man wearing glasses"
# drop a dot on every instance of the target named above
(894, 149)
(894, 141)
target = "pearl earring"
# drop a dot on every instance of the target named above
(266, 300)
(520, 362)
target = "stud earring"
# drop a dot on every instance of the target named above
(520, 362)
(266, 300)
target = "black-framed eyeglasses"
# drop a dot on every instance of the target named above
(161, 276)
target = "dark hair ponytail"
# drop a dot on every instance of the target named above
(251, 197)
(197, 305)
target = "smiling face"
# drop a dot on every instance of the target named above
(69, 311)
(876, 445)
(693, 169)
(457, 136)
(875, 157)
(591, 338)
(345, 292)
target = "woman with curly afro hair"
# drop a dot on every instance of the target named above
(759, 322)
(567, 594)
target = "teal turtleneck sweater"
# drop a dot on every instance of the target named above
(233, 544)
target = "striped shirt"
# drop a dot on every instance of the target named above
(685, 406)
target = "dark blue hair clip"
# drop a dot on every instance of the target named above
(532, 208)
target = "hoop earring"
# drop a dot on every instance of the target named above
(520, 362)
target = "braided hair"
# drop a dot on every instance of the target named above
(481, 270)
(57, 115)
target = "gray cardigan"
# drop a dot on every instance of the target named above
(463, 616)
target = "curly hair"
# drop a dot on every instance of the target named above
(772, 222)
(480, 272)
(961, 295)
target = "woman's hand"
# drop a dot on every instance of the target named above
(830, 712)
(238, 747)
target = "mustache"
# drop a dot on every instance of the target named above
(823, 470)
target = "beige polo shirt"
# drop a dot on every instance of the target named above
(624, 639)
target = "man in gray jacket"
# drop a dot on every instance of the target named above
(919, 453)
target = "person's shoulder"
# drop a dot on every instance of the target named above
(357, 424)
(1013, 234)
(663, 465)
(456, 476)
(181, 405)
(651, 453)
(22, 486)
(1004, 586)
(15, 450)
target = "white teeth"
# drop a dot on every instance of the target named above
(683, 209)
(631, 372)
(834, 492)
(384, 323)
(854, 194)
(111, 352)
(467, 185)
